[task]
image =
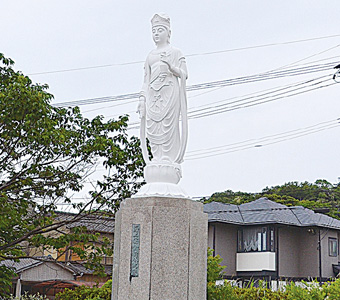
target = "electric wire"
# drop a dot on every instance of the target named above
(188, 55)
(253, 100)
(308, 57)
(311, 62)
(262, 143)
(262, 76)
(189, 97)
(262, 46)
(272, 136)
(214, 84)
(255, 143)
(299, 85)
(215, 102)
(225, 108)
(259, 142)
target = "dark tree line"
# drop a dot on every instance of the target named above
(320, 194)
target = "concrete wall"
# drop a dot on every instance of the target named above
(327, 261)
(225, 245)
(288, 248)
(298, 253)
(308, 253)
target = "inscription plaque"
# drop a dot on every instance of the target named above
(135, 244)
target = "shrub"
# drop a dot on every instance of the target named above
(214, 272)
(305, 291)
(214, 268)
(221, 292)
(333, 290)
(87, 293)
(29, 297)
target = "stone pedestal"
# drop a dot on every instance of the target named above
(160, 250)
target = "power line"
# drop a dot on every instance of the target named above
(261, 142)
(308, 57)
(258, 101)
(256, 141)
(197, 95)
(297, 86)
(188, 55)
(264, 45)
(263, 98)
(213, 84)
(263, 76)
(110, 106)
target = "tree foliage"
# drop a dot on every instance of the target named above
(320, 194)
(214, 267)
(87, 293)
(46, 154)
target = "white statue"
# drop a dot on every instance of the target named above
(161, 104)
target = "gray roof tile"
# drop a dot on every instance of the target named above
(264, 211)
(262, 203)
(94, 223)
(21, 265)
(28, 263)
(218, 206)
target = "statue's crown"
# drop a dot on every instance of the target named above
(160, 20)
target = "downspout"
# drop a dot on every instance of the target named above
(319, 248)
(214, 238)
(277, 253)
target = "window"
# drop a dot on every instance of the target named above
(272, 240)
(333, 247)
(256, 239)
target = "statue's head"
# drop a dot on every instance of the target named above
(161, 28)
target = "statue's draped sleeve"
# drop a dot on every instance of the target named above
(146, 81)
(183, 75)
(144, 93)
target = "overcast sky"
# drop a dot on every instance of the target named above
(264, 144)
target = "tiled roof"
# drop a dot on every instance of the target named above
(28, 263)
(92, 222)
(22, 264)
(79, 268)
(264, 211)
(218, 206)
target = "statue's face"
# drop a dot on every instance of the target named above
(160, 34)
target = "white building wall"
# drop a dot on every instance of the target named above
(255, 261)
(46, 271)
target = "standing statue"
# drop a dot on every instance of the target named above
(161, 235)
(162, 103)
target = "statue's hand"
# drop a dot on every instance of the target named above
(141, 107)
(166, 59)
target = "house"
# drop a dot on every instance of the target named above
(48, 277)
(94, 224)
(268, 240)
(49, 272)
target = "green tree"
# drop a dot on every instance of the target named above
(232, 197)
(321, 194)
(46, 154)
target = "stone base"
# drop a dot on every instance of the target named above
(171, 260)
